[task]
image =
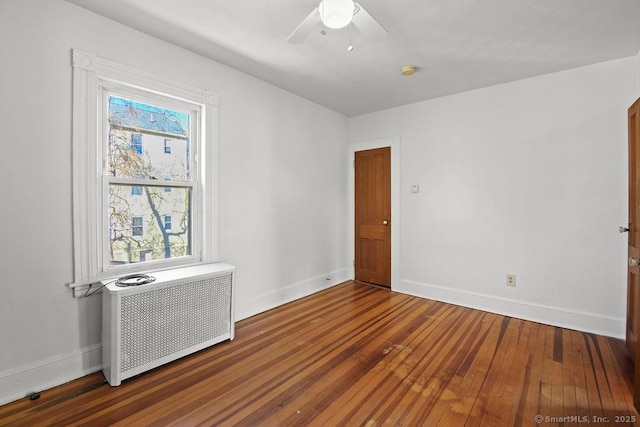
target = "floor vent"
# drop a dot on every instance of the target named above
(184, 310)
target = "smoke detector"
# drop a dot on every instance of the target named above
(408, 70)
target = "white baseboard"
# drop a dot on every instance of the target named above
(269, 300)
(549, 315)
(19, 382)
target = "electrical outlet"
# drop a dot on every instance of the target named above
(511, 280)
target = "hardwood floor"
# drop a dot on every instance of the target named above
(362, 355)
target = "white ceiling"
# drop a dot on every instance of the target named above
(457, 45)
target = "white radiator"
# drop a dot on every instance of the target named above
(183, 311)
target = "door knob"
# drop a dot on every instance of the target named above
(634, 262)
(385, 222)
(623, 229)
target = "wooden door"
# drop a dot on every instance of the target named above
(633, 246)
(373, 216)
(633, 276)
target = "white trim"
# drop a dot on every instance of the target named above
(90, 72)
(301, 289)
(195, 111)
(86, 237)
(210, 174)
(546, 314)
(129, 76)
(19, 382)
(394, 143)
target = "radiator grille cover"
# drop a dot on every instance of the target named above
(164, 321)
(184, 310)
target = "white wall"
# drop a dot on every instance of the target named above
(282, 186)
(526, 178)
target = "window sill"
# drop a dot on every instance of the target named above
(89, 288)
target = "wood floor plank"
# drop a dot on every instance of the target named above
(569, 390)
(452, 389)
(362, 399)
(430, 378)
(593, 393)
(492, 371)
(529, 404)
(371, 358)
(545, 404)
(517, 376)
(556, 379)
(472, 372)
(579, 376)
(442, 394)
(615, 383)
(357, 354)
(358, 357)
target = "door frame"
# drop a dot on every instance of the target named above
(394, 144)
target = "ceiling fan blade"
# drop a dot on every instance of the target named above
(367, 24)
(311, 22)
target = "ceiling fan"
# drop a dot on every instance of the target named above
(338, 14)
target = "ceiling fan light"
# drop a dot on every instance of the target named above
(336, 13)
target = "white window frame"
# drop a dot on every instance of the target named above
(90, 74)
(107, 88)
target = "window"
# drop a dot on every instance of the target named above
(144, 189)
(144, 119)
(136, 142)
(145, 255)
(136, 226)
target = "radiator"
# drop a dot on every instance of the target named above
(183, 311)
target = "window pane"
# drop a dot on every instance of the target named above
(148, 141)
(152, 226)
(137, 226)
(136, 142)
